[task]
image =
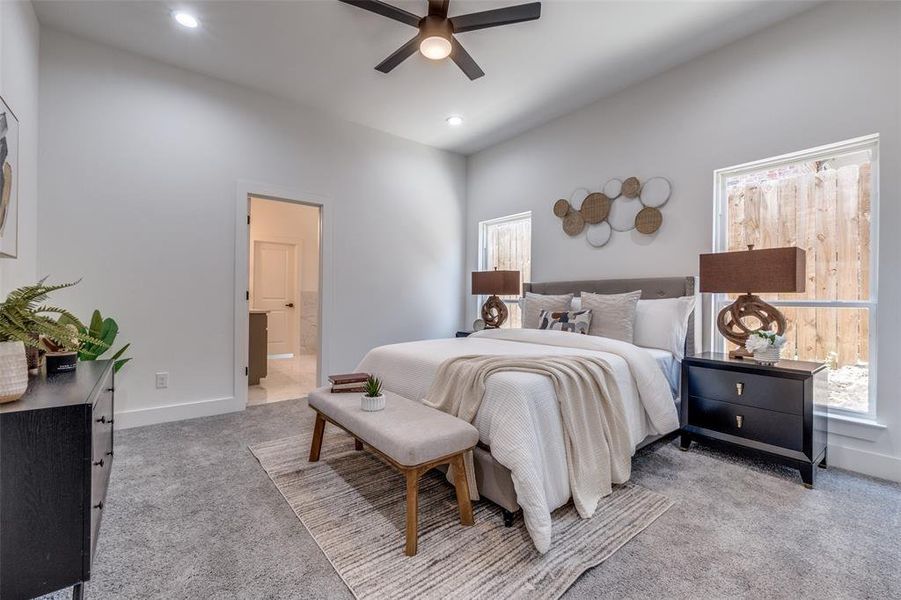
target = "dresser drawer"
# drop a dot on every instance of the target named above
(101, 455)
(775, 428)
(758, 391)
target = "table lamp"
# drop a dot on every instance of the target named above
(773, 270)
(493, 284)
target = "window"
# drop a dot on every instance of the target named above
(825, 201)
(506, 244)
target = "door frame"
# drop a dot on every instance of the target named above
(297, 244)
(246, 189)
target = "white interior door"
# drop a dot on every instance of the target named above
(274, 290)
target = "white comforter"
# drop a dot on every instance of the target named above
(519, 417)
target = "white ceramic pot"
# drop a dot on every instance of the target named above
(372, 403)
(13, 371)
(768, 355)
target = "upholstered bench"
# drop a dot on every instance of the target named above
(410, 436)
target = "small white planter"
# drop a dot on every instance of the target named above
(768, 355)
(372, 403)
(13, 371)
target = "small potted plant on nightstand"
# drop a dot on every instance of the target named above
(372, 400)
(766, 346)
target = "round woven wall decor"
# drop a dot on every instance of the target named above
(562, 207)
(648, 220)
(631, 187)
(573, 223)
(595, 208)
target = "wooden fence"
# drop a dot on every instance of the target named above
(826, 212)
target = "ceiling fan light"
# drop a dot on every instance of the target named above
(435, 47)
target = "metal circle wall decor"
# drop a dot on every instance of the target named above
(613, 188)
(655, 192)
(598, 235)
(622, 206)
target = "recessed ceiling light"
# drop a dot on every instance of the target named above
(435, 47)
(454, 120)
(186, 19)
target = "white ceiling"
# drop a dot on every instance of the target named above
(321, 53)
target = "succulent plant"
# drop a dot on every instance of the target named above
(373, 387)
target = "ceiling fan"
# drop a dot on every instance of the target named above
(436, 31)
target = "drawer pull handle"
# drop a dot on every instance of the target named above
(109, 389)
(110, 453)
(739, 388)
(99, 505)
(98, 463)
(102, 419)
(739, 421)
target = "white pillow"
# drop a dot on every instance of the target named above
(533, 304)
(612, 315)
(663, 324)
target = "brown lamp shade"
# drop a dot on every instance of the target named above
(501, 283)
(754, 271)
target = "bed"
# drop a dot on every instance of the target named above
(520, 461)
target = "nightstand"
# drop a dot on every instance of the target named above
(766, 409)
(464, 333)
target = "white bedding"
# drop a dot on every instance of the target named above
(519, 417)
(669, 366)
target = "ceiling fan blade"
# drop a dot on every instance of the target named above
(386, 10)
(496, 17)
(438, 8)
(399, 56)
(460, 56)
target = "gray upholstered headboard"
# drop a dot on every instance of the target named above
(651, 288)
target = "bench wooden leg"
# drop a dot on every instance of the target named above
(318, 431)
(358, 445)
(412, 511)
(462, 485)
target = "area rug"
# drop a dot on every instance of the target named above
(354, 507)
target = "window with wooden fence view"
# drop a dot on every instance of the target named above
(506, 244)
(822, 204)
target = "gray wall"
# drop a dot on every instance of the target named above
(824, 76)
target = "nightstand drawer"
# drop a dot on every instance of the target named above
(777, 429)
(758, 391)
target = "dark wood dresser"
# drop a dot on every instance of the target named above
(765, 409)
(56, 451)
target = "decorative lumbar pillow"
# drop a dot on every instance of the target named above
(576, 321)
(533, 304)
(663, 324)
(612, 315)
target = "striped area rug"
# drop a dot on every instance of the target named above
(353, 506)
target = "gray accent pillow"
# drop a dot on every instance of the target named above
(612, 315)
(576, 321)
(533, 304)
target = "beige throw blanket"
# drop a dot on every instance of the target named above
(598, 453)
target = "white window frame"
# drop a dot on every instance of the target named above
(483, 251)
(720, 229)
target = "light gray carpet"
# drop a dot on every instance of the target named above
(190, 514)
(354, 506)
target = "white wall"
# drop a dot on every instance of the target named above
(827, 75)
(140, 163)
(19, 41)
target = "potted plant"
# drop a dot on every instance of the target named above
(24, 323)
(766, 346)
(372, 400)
(105, 331)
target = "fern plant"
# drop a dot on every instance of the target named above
(104, 330)
(373, 387)
(25, 318)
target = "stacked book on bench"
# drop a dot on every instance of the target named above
(348, 383)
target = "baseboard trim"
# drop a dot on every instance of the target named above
(140, 417)
(882, 466)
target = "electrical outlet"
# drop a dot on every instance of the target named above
(162, 380)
